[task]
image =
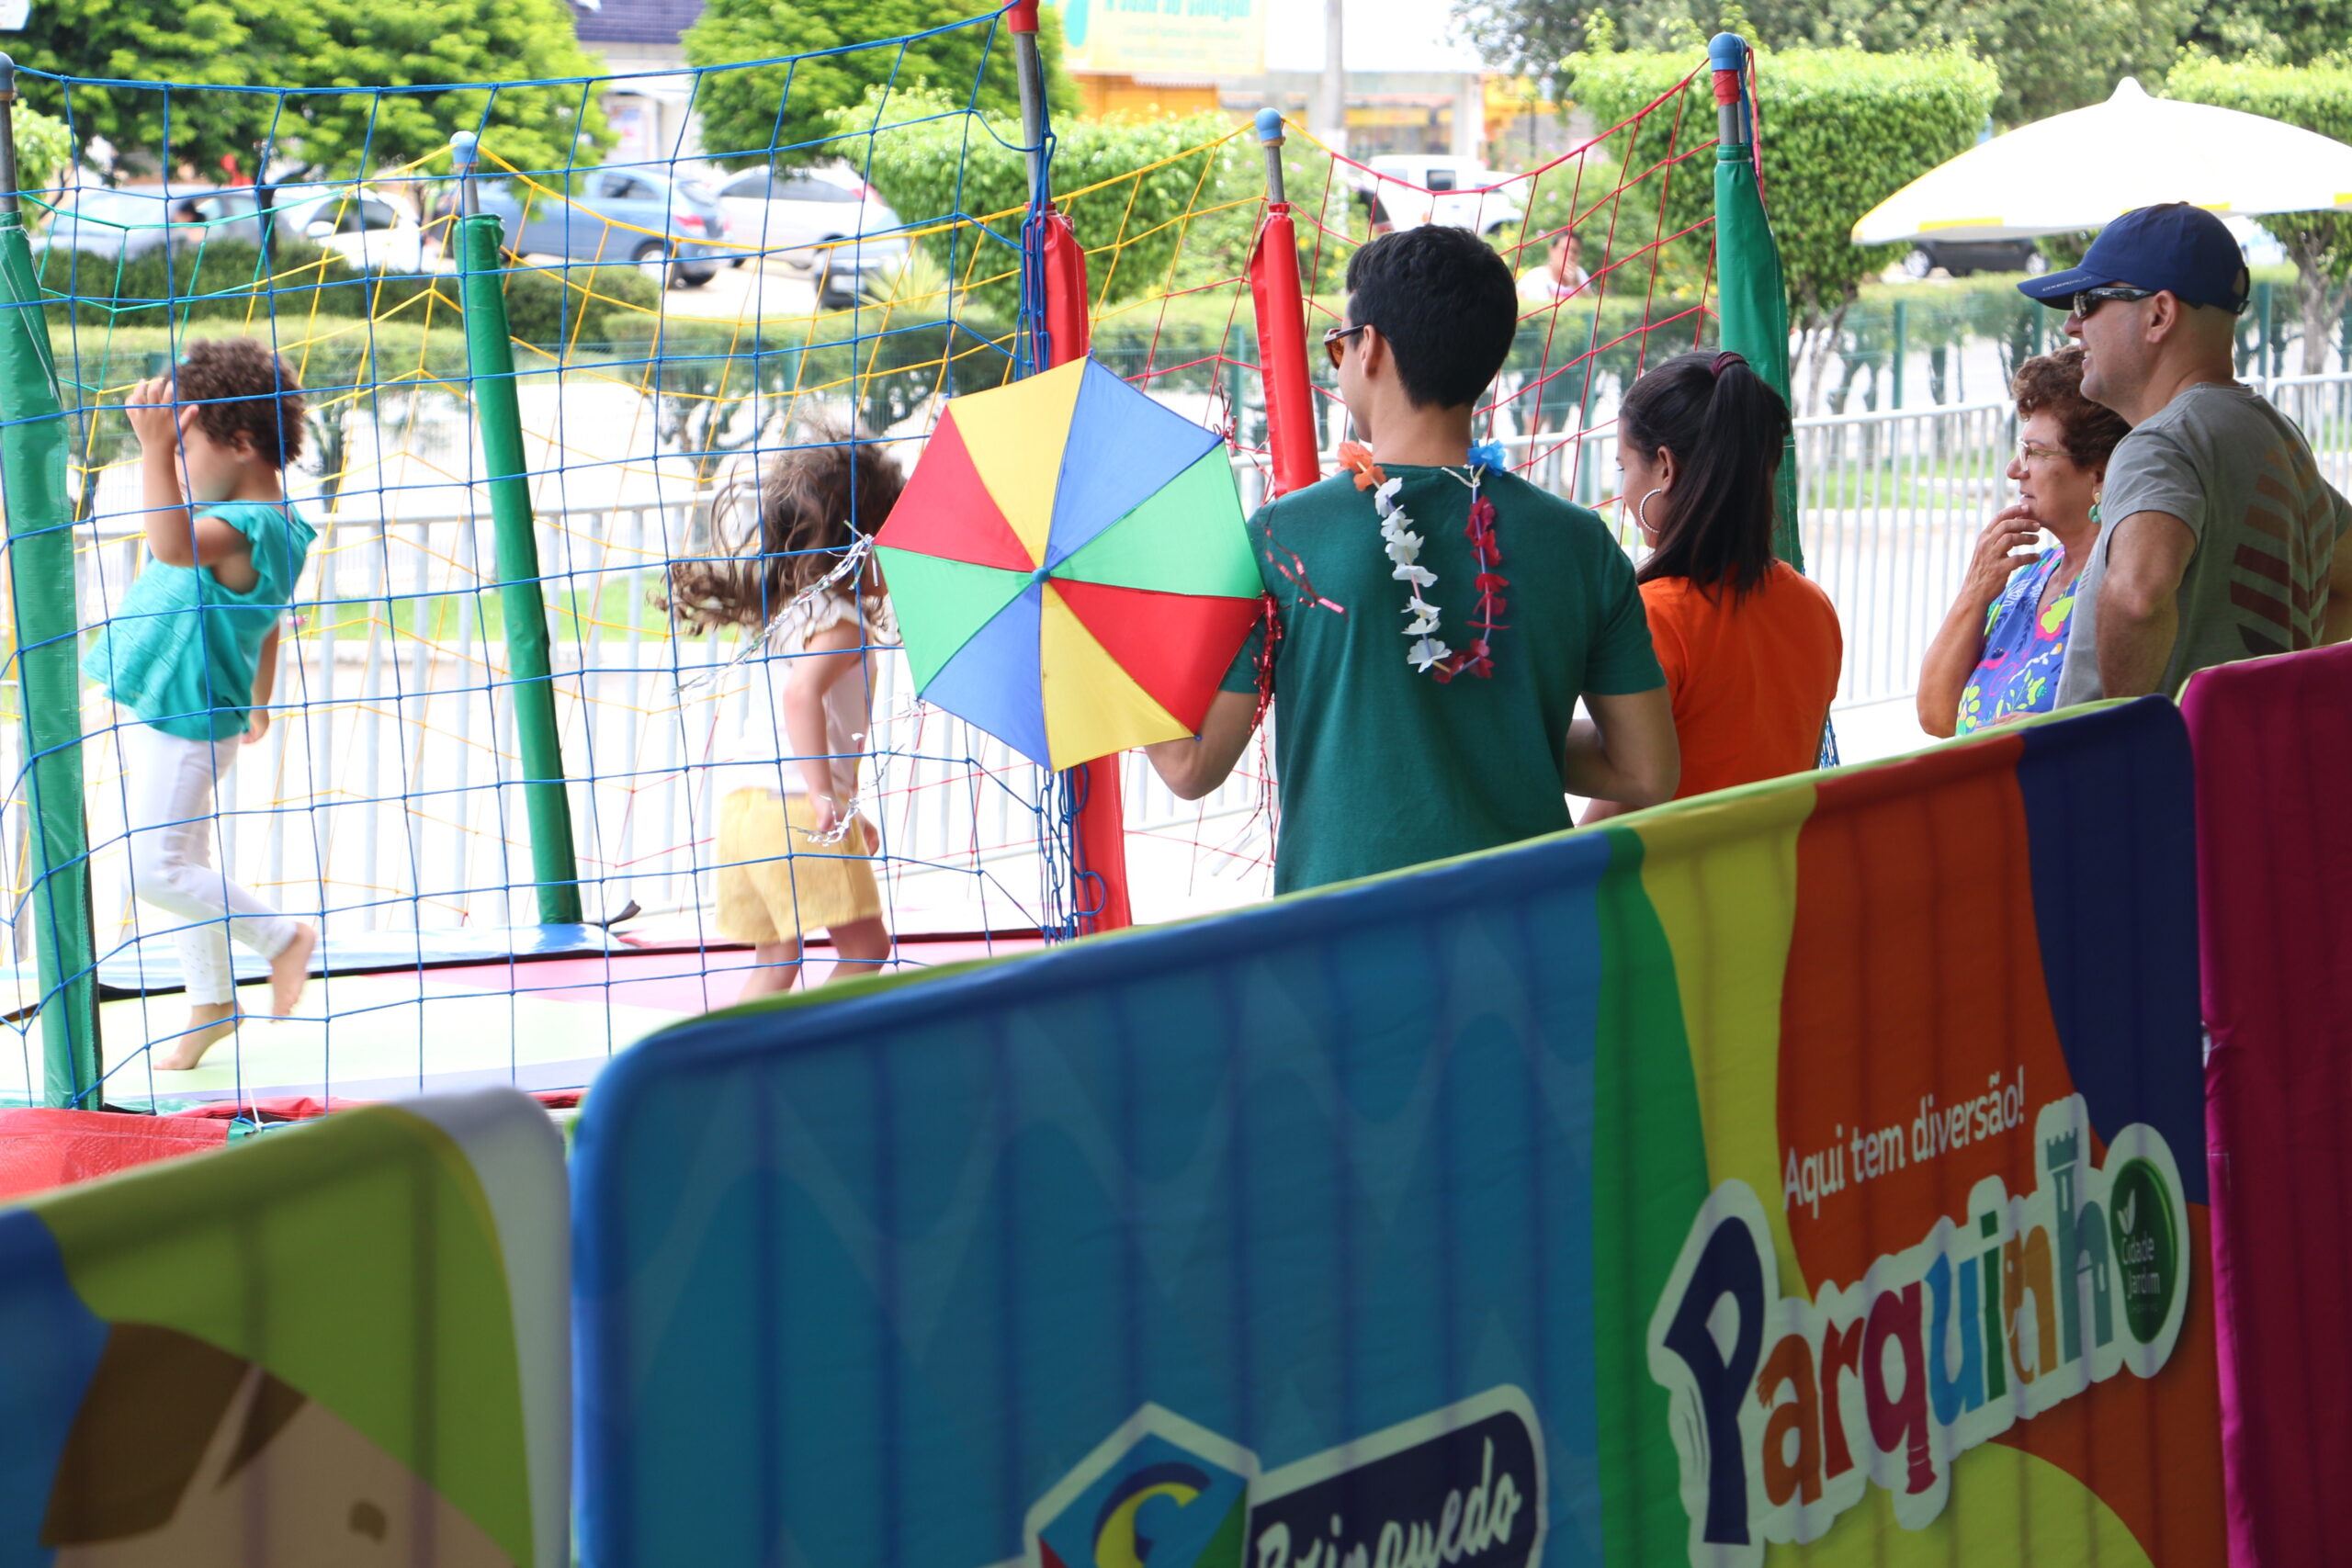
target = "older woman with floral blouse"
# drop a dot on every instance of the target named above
(1997, 655)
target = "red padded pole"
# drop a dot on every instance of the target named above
(1281, 306)
(1066, 313)
(1099, 844)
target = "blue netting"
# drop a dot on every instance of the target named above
(678, 321)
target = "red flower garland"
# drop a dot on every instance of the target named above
(1486, 549)
(1478, 657)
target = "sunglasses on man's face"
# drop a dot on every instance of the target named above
(2091, 299)
(1336, 338)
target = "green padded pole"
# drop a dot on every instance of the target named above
(1751, 299)
(33, 443)
(531, 678)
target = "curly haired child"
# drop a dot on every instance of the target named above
(190, 655)
(793, 854)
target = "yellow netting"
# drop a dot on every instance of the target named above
(384, 796)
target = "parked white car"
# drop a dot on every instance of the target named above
(801, 217)
(1414, 188)
(359, 223)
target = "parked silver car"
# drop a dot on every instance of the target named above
(363, 225)
(825, 222)
(116, 223)
(647, 215)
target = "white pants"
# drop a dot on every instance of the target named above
(168, 787)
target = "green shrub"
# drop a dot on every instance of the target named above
(44, 150)
(225, 281)
(545, 305)
(894, 362)
(933, 166)
(1842, 130)
(217, 280)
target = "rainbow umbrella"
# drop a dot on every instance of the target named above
(1070, 566)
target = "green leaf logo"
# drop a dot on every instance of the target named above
(2147, 1234)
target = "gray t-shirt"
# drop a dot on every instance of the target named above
(2238, 472)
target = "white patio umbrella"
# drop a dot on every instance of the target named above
(2083, 168)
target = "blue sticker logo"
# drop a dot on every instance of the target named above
(1463, 1485)
(1160, 1493)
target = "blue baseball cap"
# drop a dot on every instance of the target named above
(2175, 247)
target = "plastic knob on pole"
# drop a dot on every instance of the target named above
(1269, 132)
(464, 157)
(1727, 58)
(8, 136)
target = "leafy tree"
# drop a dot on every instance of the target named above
(2049, 57)
(375, 50)
(2317, 98)
(2271, 32)
(1842, 130)
(780, 109)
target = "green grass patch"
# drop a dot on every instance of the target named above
(601, 613)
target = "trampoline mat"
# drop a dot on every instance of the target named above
(535, 1022)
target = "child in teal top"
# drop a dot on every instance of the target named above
(191, 654)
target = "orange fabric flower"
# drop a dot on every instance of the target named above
(1355, 457)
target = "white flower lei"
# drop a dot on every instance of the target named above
(1404, 547)
(1428, 654)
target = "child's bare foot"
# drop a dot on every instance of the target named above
(291, 969)
(206, 1023)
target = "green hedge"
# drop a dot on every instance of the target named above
(548, 306)
(226, 281)
(217, 280)
(98, 363)
(933, 164)
(1842, 130)
(894, 362)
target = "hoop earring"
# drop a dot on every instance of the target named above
(1642, 511)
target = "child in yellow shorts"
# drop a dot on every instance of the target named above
(794, 855)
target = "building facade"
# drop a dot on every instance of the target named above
(650, 107)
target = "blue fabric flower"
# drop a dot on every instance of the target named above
(1486, 453)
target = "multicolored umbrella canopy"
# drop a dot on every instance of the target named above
(1070, 567)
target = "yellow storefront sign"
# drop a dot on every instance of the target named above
(1165, 37)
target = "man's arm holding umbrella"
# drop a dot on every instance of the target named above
(1192, 767)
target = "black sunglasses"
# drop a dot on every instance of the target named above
(1333, 337)
(2091, 299)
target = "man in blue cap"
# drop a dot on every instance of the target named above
(2219, 538)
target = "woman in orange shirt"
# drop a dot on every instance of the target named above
(1751, 648)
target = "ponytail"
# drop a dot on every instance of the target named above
(1728, 429)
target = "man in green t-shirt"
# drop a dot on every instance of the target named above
(1438, 619)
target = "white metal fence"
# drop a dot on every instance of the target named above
(1890, 505)
(387, 796)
